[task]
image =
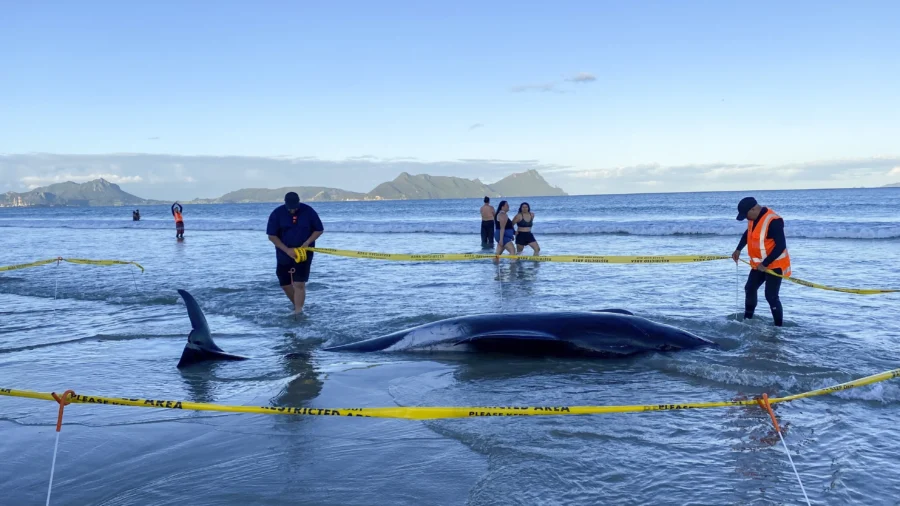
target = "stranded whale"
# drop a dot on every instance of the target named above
(604, 333)
(601, 333)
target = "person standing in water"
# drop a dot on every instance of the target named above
(293, 225)
(179, 220)
(504, 230)
(767, 248)
(487, 224)
(524, 219)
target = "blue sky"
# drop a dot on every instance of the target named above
(671, 95)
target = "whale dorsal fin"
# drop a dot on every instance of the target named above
(200, 334)
(200, 346)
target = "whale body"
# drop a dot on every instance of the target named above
(602, 333)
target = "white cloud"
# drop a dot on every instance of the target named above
(722, 176)
(181, 175)
(553, 87)
(543, 88)
(582, 77)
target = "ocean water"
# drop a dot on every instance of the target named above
(116, 332)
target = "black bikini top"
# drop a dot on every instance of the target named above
(497, 221)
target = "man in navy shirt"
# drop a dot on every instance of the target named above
(293, 225)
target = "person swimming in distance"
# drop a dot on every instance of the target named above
(179, 220)
(136, 215)
(524, 220)
(504, 233)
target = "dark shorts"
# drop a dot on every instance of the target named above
(301, 271)
(525, 238)
(179, 226)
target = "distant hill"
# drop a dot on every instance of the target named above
(423, 186)
(306, 193)
(894, 185)
(526, 184)
(405, 187)
(99, 192)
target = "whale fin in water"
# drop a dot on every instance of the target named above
(517, 335)
(520, 342)
(200, 346)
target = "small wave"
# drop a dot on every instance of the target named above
(790, 383)
(228, 290)
(88, 339)
(744, 378)
(698, 227)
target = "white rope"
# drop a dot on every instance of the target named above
(134, 281)
(52, 468)
(737, 290)
(793, 466)
(500, 279)
(56, 286)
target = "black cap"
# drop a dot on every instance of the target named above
(291, 200)
(746, 204)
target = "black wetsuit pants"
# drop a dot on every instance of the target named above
(487, 233)
(773, 284)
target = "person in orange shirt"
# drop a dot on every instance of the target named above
(179, 221)
(767, 248)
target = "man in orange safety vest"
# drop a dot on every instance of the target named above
(767, 248)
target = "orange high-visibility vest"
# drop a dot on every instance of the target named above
(178, 217)
(759, 246)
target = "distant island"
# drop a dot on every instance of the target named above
(405, 187)
(99, 192)
(894, 185)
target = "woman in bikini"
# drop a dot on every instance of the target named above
(503, 232)
(524, 220)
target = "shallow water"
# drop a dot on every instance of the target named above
(114, 331)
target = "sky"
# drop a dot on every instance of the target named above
(184, 100)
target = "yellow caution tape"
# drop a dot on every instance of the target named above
(434, 413)
(859, 291)
(25, 266)
(300, 256)
(71, 261)
(452, 257)
(102, 262)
